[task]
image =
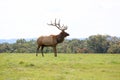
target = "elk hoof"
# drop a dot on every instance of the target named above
(36, 54)
(55, 55)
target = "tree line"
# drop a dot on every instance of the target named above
(92, 44)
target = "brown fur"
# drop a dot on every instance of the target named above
(52, 41)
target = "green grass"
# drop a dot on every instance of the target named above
(64, 67)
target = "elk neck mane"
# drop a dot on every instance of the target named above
(60, 38)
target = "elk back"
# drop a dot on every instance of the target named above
(47, 40)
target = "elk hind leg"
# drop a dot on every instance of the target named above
(37, 50)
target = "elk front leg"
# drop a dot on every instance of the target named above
(42, 51)
(55, 51)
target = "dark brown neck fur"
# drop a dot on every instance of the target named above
(60, 38)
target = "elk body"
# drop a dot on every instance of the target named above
(52, 40)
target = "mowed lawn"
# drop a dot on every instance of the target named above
(64, 67)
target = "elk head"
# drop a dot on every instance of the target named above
(62, 28)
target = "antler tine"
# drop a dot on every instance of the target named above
(64, 27)
(55, 22)
(58, 25)
(52, 24)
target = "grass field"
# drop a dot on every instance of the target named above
(64, 67)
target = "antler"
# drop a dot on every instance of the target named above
(58, 25)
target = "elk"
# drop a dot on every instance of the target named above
(52, 40)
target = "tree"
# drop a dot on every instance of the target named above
(114, 45)
(98, 43)
(4, 47)
(114, 48)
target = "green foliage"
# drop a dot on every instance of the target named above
(115, 48)
(4, 47)
(98, 43)
(64, 67)
(92, 44)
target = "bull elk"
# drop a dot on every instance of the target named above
(52, 40)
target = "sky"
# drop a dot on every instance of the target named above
(29, 18)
